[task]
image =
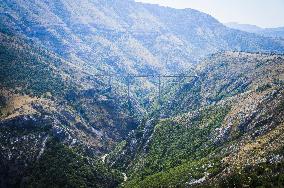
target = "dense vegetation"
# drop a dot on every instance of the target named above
(53, 105)
(27, 68)
(262, 175)
(60, 166)
(177, 141)
(174, 144)
(204, 147)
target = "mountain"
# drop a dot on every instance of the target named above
(125, 36)
(34, 80)
(244, 27)
(274, 32)
(277, 32)
(51, 124)
(233, 138)
(67, 118)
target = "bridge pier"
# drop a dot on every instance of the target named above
(109, 82)
(128, 93)
(128, 82)
(159, 89)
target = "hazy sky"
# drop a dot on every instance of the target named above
(264, 13)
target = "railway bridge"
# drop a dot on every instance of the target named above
(130, 77)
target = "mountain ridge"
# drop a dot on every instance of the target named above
(91, 21)
(276, 32)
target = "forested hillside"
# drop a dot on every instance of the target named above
(43, 109)
(230, 137)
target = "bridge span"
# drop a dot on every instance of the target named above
(130, 77)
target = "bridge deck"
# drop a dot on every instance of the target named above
(129, 76)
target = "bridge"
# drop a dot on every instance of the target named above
(129, 77)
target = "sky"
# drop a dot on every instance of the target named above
(263, 13)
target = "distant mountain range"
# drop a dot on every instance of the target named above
(268, 32)
(109, 36)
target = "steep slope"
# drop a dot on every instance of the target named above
(233, 141)
(223, 75)
(50, 119)
(27, 69)
(125, 36)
